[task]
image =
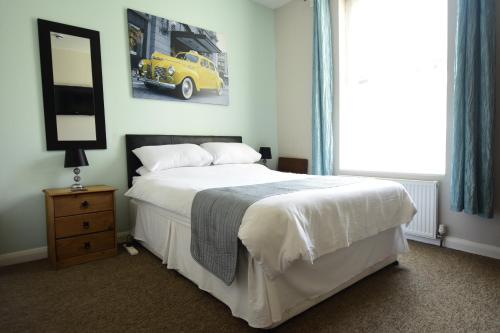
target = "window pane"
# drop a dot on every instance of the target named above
(191, 58)
(393, 88)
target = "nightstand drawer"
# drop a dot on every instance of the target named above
(81, 245)
(84, 224)
(83, 203)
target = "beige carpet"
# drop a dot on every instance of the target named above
(433, 290)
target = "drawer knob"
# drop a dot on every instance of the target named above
(85, 204)
(86, 225)
(86, 245)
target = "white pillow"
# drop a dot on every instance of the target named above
(231, 152)
(156, 158)
(142, 171)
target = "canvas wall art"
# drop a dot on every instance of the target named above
(174, 61)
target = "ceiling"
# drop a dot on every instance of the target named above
(272, 3)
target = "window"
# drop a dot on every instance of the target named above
(191, 58)
(393, 85)
(188, 57)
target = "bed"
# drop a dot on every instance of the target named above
(261, 293)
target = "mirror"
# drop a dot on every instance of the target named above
(73, 92)
(72, 86)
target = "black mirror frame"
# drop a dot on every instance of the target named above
(44, 29)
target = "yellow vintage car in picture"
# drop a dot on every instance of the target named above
(187, 73)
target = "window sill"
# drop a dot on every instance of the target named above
(393, 175)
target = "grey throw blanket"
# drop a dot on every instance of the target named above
(216, 215)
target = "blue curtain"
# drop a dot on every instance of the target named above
(472, 155)
(322, 94)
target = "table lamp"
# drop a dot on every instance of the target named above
(76, 158)
(266, 154)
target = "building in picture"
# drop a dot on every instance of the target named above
(149, 33)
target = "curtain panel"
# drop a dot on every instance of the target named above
(473, 108)
(322, 94)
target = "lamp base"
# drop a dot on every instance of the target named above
(77, 188)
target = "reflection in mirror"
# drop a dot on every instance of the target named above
(73, 88)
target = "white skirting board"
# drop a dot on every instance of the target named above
(433, 241)
(38, 253)
(462, 245)
(472, 247)
(23, 256)
(450, 242)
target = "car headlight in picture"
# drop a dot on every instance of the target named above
(141, 63)
(171, 70)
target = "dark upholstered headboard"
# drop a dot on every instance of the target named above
(133, 141)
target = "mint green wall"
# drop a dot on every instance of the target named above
(26, 167)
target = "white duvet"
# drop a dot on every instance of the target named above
(281, 229)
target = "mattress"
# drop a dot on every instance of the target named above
(260, 300)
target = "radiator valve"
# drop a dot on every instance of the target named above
(441, 234)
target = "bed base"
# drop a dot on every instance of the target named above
(308, 303)
(389, 259)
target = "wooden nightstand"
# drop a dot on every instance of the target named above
(80, 225)
(295, 165)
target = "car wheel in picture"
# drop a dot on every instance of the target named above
(186, 88)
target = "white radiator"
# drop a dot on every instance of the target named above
(425, 196)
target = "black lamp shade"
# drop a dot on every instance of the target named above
(75, 158)
(265, 152)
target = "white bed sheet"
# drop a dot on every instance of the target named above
(253, 296)
(282, 229)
